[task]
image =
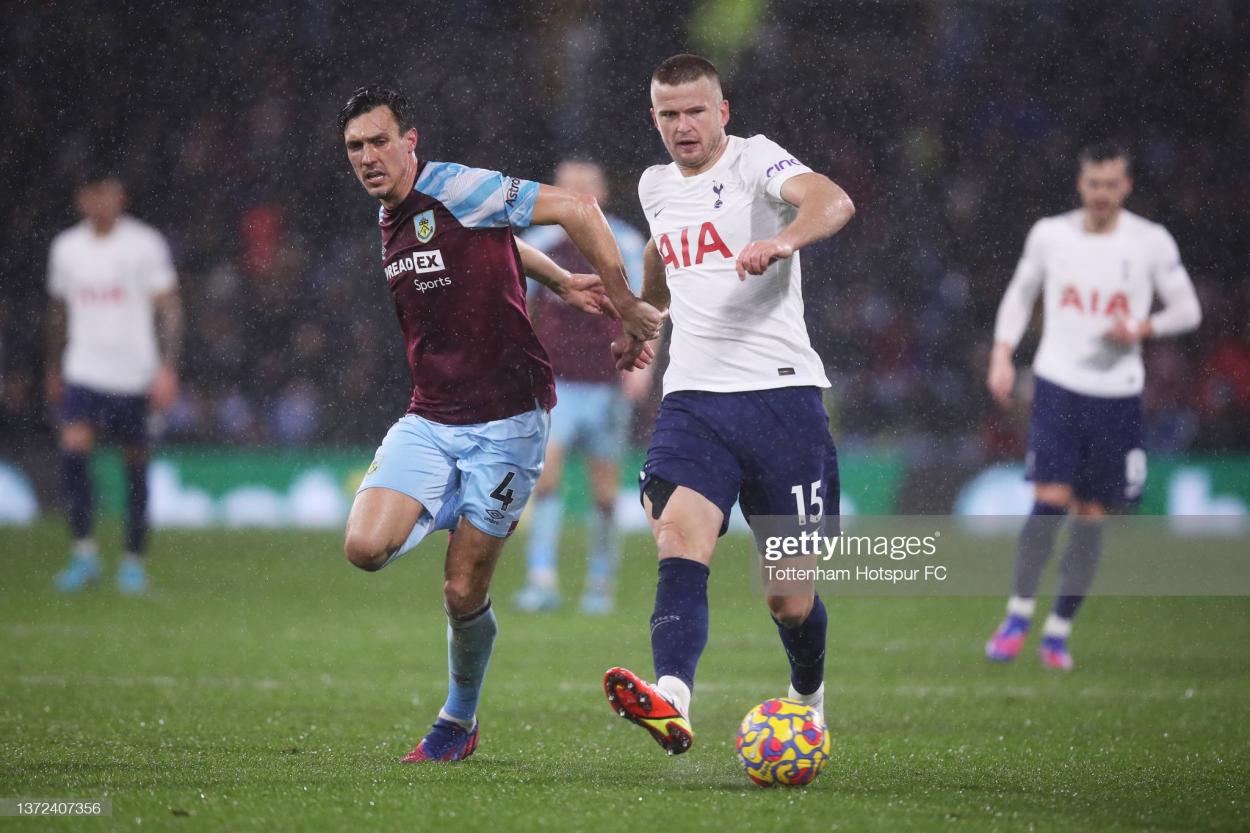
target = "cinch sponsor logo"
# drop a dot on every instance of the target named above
(1116, 306)
(419, 262)
(778, 167)
(707, 242)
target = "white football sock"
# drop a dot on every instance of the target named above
(1020, 606)
(544, 577)
(677, 692)
(1057, 626)
(816, 700)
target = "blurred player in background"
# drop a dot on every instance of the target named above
(742, 417)
(467, 454)
(114, 330)
(1099, 268)
(594, 413)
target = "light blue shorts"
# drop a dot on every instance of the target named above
(483, 472)
(592, 417)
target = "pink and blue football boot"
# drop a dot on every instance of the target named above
(1054, 653)
(446, 741)
(1007, 641)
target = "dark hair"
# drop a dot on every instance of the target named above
(372, 96)
(97, 174)
(1105, 151)
(684, 68)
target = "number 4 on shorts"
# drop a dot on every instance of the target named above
(505, 498)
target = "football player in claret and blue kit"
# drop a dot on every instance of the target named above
(468, 452)
(742, 417)
(1098, 269)
(594, 414)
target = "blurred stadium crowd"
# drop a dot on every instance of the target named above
(953, 126)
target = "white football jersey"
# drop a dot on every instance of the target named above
(1088, 281)
(730, 335)
(107, 283)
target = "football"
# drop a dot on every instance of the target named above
(782, 741)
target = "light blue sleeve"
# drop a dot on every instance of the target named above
(479, 198)
(632, 245)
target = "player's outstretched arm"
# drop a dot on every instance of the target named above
(581, 219)
(1014, 312)
(630, 353)
(164, 388)
(654, 278)
(1181, 310)
(56, 335)
(584, 292)
(824, 208)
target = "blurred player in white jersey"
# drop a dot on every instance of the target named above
(1099, 269)
(742, 417)
(594, 412)
(114, 330)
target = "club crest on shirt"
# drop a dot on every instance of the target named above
(424, 225)
(717, 187)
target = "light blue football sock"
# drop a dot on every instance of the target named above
(469, 645)
(544, 541)
(605, 549)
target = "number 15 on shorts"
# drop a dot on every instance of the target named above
(809, 505)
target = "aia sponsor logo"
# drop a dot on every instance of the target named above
(1115, 306)
(707, 241)
(101, 294)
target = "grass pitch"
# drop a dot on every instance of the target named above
(266, 685)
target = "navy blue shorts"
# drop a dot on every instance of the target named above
(1091, 443)
(770, 450)
(122, 419)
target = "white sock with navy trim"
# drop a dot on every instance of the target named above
(1057, 627)
(677, 692)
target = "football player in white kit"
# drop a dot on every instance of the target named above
(114, 329)
(1098, 268)
(742, 417)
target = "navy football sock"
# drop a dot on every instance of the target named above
(76, 487)
(679, 622)
(1037, 539)
(1079, 564)
(136, 507)
(805, 648)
